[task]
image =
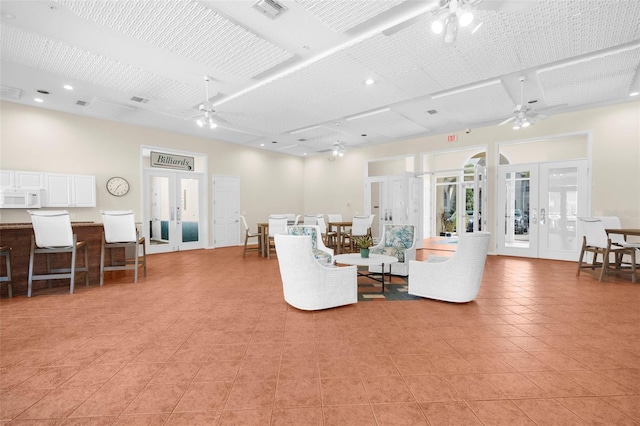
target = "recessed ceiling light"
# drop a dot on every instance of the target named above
(634, 93)
(38, 100)
(68, 87)
(369, 81)
(261, 144)
(7, 15)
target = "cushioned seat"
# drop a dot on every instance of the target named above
(322, 253)
(397, 241)
(308, 284)
(452, 279)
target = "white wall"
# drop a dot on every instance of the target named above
(614, 132)
(43, 140)
(37, 139)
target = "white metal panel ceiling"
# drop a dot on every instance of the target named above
(343, 15)
(591, 79)
(271, 77)
(187, 29)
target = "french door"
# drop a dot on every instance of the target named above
(394, 200)
(538, 207)
(174, 211)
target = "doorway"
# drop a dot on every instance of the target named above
(538, 207)
(226, 211)
(173, 210)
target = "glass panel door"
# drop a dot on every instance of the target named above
(541, 204)
(517, 210)
(566, 187)
(173, 211)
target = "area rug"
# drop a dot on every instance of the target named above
(370, 290)
(445, 241)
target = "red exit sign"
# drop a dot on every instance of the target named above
(452, 138)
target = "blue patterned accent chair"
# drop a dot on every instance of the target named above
(397, 241)
(321, 252)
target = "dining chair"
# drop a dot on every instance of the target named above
(596, 241)
(53, 234)
(248, 234)
(619, 240)
(328, 236)
(277, 225)
(334, 217)
(5, 251)
(359, 227)
(120, 233)
(310, 219)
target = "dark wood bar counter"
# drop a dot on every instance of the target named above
(18, 237)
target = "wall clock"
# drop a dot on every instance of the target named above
(117, 186)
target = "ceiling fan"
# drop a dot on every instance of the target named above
(206, 109)
(451, 14)
(523, 115)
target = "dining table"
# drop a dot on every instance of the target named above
(263, 241)
(340, 228)
(624, 231)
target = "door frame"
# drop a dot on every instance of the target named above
(498, 152)
(201, 166)
(237, 241)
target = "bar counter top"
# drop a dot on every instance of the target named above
(25, 225)
(18, 237)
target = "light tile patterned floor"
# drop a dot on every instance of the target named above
(207, 339)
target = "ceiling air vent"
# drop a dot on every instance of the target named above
(432, 111)
(82, 103)
(270, 8)
(7, 92)
(139, 99)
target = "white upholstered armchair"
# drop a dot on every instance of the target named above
(397, 241)
(308, 284)
(320, 251)
(456, 278)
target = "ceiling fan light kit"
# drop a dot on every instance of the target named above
(206, 108)
(452, 14)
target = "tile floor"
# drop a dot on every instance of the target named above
(207, 339)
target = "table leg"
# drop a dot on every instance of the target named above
(382, 278)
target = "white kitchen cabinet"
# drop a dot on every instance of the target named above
(64, 190)
(14, 179)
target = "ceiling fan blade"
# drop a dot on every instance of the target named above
(552, 107)
(507, 120)
(538, 116)
(406, 24)
(506, 5)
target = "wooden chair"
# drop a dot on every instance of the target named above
(277, 225)
(248, 234)
(596, 241)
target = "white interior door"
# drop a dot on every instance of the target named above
(174, 211)
(226, 211)
(394, 200)
(563, 198)
(517, 211)
(538, 206)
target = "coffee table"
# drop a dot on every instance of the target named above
(373, 259)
